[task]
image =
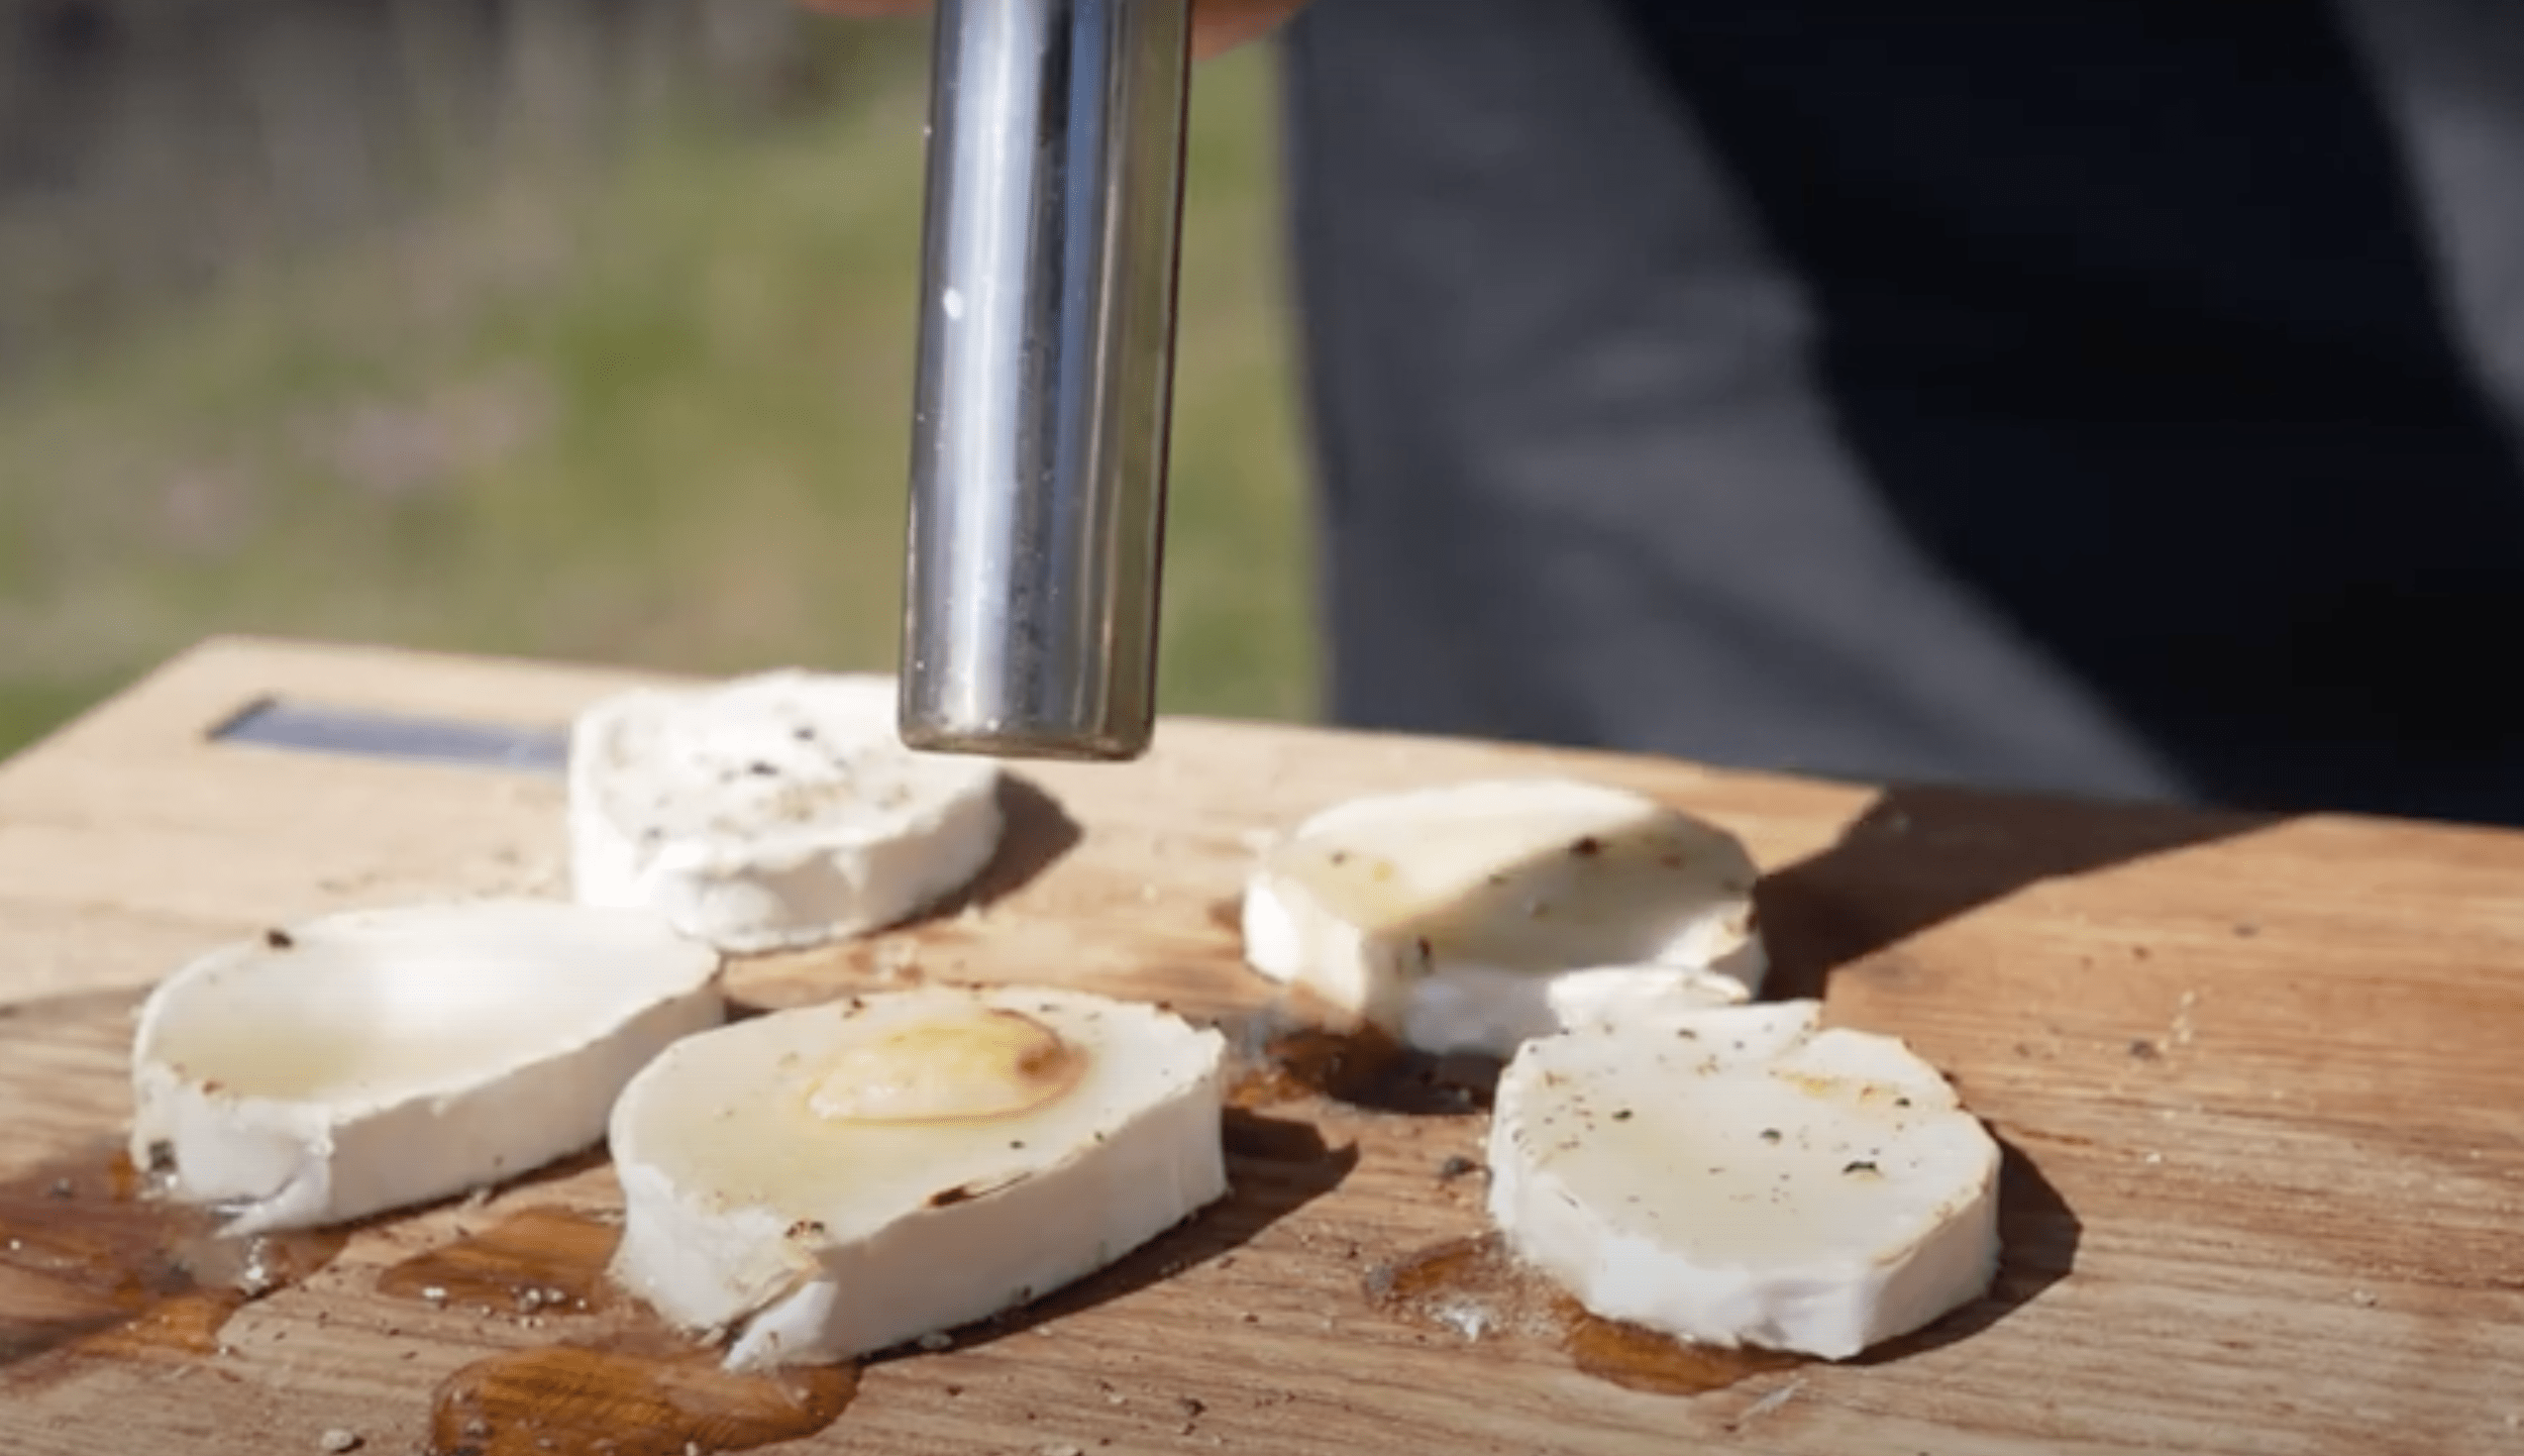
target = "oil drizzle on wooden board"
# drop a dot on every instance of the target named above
(1297, 1053)
(541, 1260)
(1473, 1288)
(629, 1386)
(667, 1398)
(91, 1266)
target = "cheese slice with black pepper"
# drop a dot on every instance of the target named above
(1740, 1177)
(376, 1058)
(1468, 917)
(771, 812)
(828, 1180)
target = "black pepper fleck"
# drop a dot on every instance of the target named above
(279, 939)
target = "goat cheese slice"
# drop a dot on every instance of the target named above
(377, 1058)
(839, 1179)
(1468, 917)
(771, 813)
(1739, 1176)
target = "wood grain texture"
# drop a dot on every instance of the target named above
(2259, 1082)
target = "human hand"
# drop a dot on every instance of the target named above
(1218, 26)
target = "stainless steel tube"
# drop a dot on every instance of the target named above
(1045, 376)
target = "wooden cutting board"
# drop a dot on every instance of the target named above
(2260, 1083)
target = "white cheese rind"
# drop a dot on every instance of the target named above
(385, 1058)
(1446, 916)
(771, 813)
(1736, 1177)
(813, 1240)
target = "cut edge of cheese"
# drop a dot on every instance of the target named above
(776, 811)
(1418, 968)
(1743, 1177)
(784, 1284)
(378, 1059)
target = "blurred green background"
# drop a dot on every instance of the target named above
(592, 341)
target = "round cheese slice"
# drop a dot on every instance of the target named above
(1736, 1176)
(771, 812)
(839, 1179)
(1447, 917)
(382, 1058)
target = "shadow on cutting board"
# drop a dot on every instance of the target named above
(1918, 858)
(1037, 832)
(2037, 1237)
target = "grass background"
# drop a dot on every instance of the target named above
(653, 413)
